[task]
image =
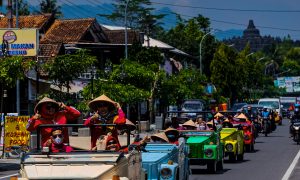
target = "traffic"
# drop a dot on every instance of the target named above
(114, 148)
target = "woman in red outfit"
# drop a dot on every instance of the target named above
(48, 111)
(106, 111)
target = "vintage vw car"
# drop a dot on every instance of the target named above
(81, 164)
(205, 148)
(166, 161)
(233, 141)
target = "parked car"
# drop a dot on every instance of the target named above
(166, 161)
(205, 148)
(237, 106)
(233, 140)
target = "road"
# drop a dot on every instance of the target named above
(271, 159)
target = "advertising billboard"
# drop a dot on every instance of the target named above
(291, 84)
(19, 42)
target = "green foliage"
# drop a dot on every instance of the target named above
(66, 68)
(23, 8)
(50, 6)
(13, 68)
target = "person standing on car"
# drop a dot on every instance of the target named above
(106, 111)
(48, 111)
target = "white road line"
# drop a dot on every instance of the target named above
(291, 168)
(3, 177)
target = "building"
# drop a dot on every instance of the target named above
(252, 36)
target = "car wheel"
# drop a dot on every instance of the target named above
(240, 157)
(232, 157)
(220, 165)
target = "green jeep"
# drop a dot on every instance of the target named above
(233, 141)
(205, 148)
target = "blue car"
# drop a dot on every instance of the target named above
(166, 161)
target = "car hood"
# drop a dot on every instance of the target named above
(197, 139)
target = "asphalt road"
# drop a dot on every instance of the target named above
(270, 161)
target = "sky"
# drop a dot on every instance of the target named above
(277, 18)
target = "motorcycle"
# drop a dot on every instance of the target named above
(257, 126)
(266, 126)
(295, 128)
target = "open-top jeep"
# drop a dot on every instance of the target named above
(233, 141)
(205, 148)
(80, 164)
(166, 161)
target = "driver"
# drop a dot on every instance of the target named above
(55, 143)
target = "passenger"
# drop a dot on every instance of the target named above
(227, 124)
(201, 124)
(107, 142)
(189, 125)
(172, 135)
(106, 111)
(160, 138)
(55, 143)
(48, 111)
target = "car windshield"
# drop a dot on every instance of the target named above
(272, 104)
(286, 105)
(192, 106)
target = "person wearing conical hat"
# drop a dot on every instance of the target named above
(172, 135)
(160, 138)
(189, 125)
(48, 111)
(106, 111)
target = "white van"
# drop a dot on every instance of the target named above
(273, 103)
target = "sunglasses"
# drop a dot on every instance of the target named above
(111, 142)
(58, 135)
(49, 106)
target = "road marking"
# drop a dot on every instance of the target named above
(291, 168)
(3, 177)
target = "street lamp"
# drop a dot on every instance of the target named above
(200, 49)
(126, 51)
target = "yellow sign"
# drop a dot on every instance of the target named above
(15, 132)
(19, 42)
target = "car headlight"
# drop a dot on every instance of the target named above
(208, 152)
(246, 137)
(229, 147)
(166, 173)
(296, 128)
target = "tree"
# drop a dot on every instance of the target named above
(66, 68)
(23, 8)
(139, 14)
(50, 6)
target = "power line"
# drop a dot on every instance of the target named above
(229, 9)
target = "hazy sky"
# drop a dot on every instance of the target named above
(275, 17)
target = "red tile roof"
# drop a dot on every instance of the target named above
(67, 31)
(30, 21)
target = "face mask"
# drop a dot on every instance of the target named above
(201, 127)
(58, 140)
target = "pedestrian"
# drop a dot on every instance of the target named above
(48, 111)
(55, 143)
(106, 111)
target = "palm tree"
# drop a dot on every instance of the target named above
(49, 6)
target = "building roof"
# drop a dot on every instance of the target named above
(118, 36)
(30, 21)
(68, 31)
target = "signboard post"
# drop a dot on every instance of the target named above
(15, 133)
(19, 42)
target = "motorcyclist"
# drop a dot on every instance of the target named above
(295, 117)
(266, 114)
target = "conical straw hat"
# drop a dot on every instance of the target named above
(241, 116)
(210, 122)
(130, 125)
(160, 136)
(93, 104)
(44, 100)
(171, 130)
(189, 123)
(219, 115)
